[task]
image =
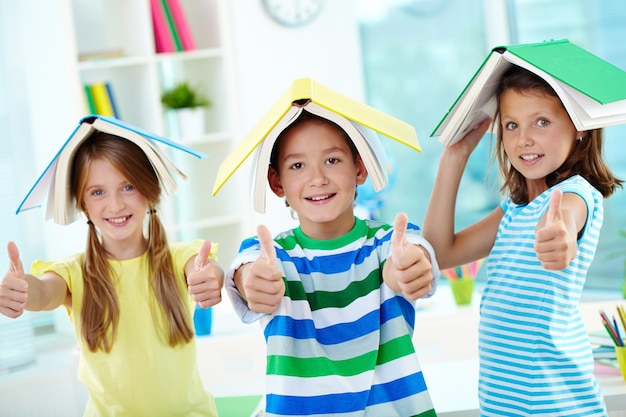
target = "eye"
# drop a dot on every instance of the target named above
(96, 193)
(543, 123)
(332, 160)
(510, 126)
(296, 165)
(128, 187)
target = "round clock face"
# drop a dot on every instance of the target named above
(293, 12)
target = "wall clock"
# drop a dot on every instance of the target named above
(293, 12)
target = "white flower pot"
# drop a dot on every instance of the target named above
(188, 124)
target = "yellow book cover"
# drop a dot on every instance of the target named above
(101, 99)
(360, 121)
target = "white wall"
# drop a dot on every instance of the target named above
(268, 57)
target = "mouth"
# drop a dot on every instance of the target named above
(319, 198)
(118, 220)
(531, 157)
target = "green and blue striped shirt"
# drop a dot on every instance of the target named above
(339, 343)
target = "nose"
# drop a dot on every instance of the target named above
(317, 176)
(524, 138)
(116, 202)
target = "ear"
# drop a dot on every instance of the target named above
(274, 181)
(361, 171)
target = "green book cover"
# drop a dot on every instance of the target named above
(576, 67)
(593, 91)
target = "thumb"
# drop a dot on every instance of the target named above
(268, 253)
(15, 263)
(202, 259)
(398, 237)
(554, 211)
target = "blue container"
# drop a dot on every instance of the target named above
(202, 320)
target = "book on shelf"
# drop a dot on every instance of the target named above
(54, 183)
(91, 105)
(112, 102)
(163, 38)
(593, 91)
(169, 19)
(181, 25)
(100, 54)
(360, 121)
(102, 96)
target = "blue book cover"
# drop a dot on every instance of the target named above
(52, 183)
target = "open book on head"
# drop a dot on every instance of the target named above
(54, 182)
(592, 90)
(360, 121)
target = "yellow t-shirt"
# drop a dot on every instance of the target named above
(142, 375)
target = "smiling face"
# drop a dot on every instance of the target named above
(317, 173)
(537, 135)
(115, 207)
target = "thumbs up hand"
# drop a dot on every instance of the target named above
(204, 283)
(14, 287)
(260, 282)
(408, 269)
(556, 235)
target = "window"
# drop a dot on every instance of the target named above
(418, 55)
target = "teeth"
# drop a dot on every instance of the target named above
(322, 197)
(529, 157)
(118, 220)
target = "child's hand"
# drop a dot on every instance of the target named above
(408, 269)
(13, 288)
(205, 282)
(554, 243)
(262, 283)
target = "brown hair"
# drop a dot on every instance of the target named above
(586, 156)
(100, 308)
(306, 117)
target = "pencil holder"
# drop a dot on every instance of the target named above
(462, 290)
(620, 353)
(461, 280)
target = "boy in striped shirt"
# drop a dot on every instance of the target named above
(334, 296)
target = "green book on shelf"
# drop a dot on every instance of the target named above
(91, 105)
(592, 90)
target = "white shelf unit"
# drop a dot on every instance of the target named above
(140, 76)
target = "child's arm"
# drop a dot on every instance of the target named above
(20, 291)
(473, 242)
(260, 283)
(408, 269)
(204, 277)
(557, 232)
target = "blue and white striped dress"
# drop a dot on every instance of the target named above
(535, 356)
(339, 343)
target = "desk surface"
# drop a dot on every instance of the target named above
(235, 364)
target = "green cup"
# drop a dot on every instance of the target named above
(462, 290)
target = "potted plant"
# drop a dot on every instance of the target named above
(188, 106)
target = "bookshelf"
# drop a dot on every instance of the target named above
(114, 42)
